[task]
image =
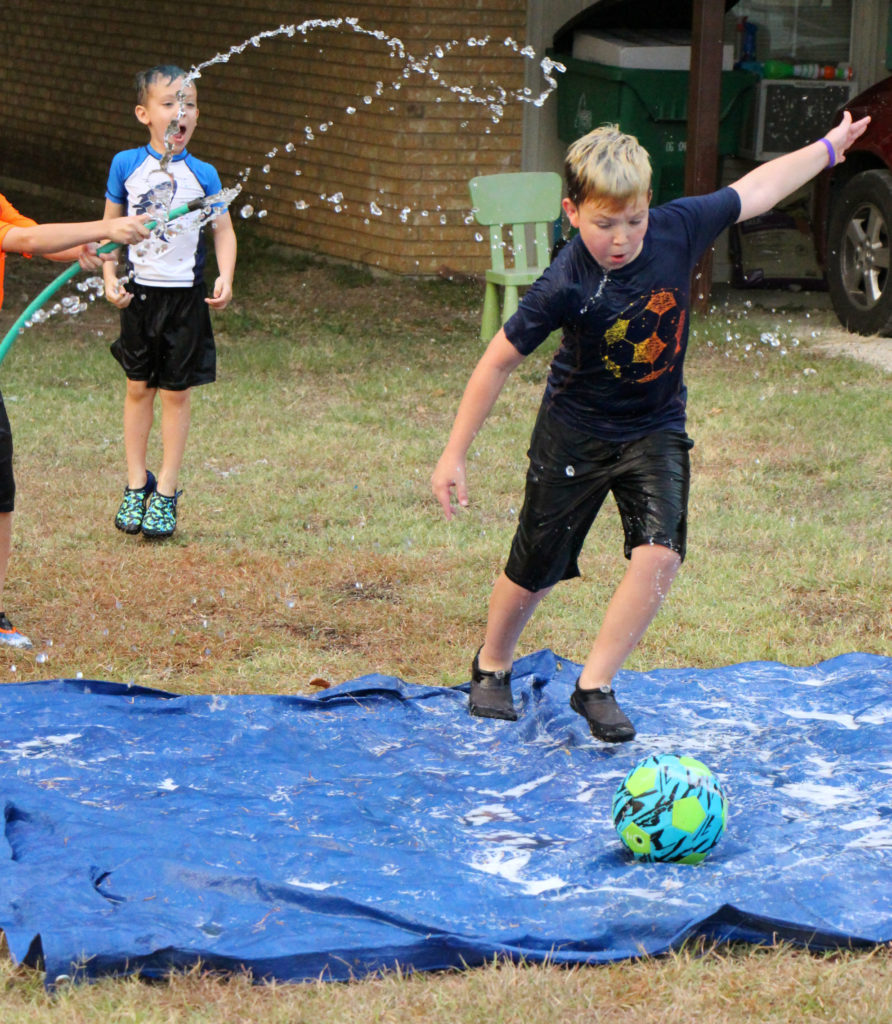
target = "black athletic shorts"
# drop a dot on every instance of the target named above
(166, 337)
(7, 480)
(570, 475)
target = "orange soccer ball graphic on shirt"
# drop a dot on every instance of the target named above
(645, 340)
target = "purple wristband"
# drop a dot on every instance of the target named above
(830, 150)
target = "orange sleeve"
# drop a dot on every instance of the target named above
(9, 218)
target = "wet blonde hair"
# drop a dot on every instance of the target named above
(606, 164)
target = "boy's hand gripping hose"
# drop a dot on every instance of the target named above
(73, 269)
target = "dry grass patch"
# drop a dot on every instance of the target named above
(740, 986)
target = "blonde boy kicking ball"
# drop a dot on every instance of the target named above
(166, 346)
(612, 419)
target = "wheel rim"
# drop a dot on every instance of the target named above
(865, 256)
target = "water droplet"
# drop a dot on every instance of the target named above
(41, 658)
(570, 471)
(246, 211)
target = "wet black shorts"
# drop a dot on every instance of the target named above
(166, 338)
(570, 475)
(7, 480)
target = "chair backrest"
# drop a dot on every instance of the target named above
(512, 201)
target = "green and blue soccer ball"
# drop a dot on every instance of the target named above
(670, 808)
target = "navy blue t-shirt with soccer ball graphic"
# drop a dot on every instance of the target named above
(618, 374)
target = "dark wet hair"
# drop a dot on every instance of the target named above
(145, 79)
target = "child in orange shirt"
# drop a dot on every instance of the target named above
(63, 242)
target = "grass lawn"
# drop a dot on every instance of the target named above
(309, 548)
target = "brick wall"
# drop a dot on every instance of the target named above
(68, 106)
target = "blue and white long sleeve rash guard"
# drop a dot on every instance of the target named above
(133, 176)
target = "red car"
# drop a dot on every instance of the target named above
(853, 218)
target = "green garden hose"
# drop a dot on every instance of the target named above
(73, 269)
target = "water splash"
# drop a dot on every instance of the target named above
(737, 340)
(166, 228)
(493, 99)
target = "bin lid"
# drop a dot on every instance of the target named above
(629, 14)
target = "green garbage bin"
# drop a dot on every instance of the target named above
(651, 105)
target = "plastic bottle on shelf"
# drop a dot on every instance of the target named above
(828, 72)
(746, 40)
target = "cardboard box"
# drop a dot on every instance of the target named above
(658, 50)
(776, 249)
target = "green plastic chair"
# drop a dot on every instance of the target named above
(519, 209)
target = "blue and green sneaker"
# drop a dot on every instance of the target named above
(133, 507)
(160, 519)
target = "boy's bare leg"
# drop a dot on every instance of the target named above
(176, 416)
(510, 609)
(5, 549)
(631, 610)
(139, 411)
(11, 637)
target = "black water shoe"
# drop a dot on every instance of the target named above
(604, 716)
(490, 695)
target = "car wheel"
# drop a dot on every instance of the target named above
(858, 246)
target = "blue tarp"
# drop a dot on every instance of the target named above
(377, 824)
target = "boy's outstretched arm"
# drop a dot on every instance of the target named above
(225, 247)
(66, 241)
(766, 185)
(481, 392)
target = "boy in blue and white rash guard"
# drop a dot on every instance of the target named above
(612, 419)
(166, 345)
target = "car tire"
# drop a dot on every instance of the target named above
(859, 240)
